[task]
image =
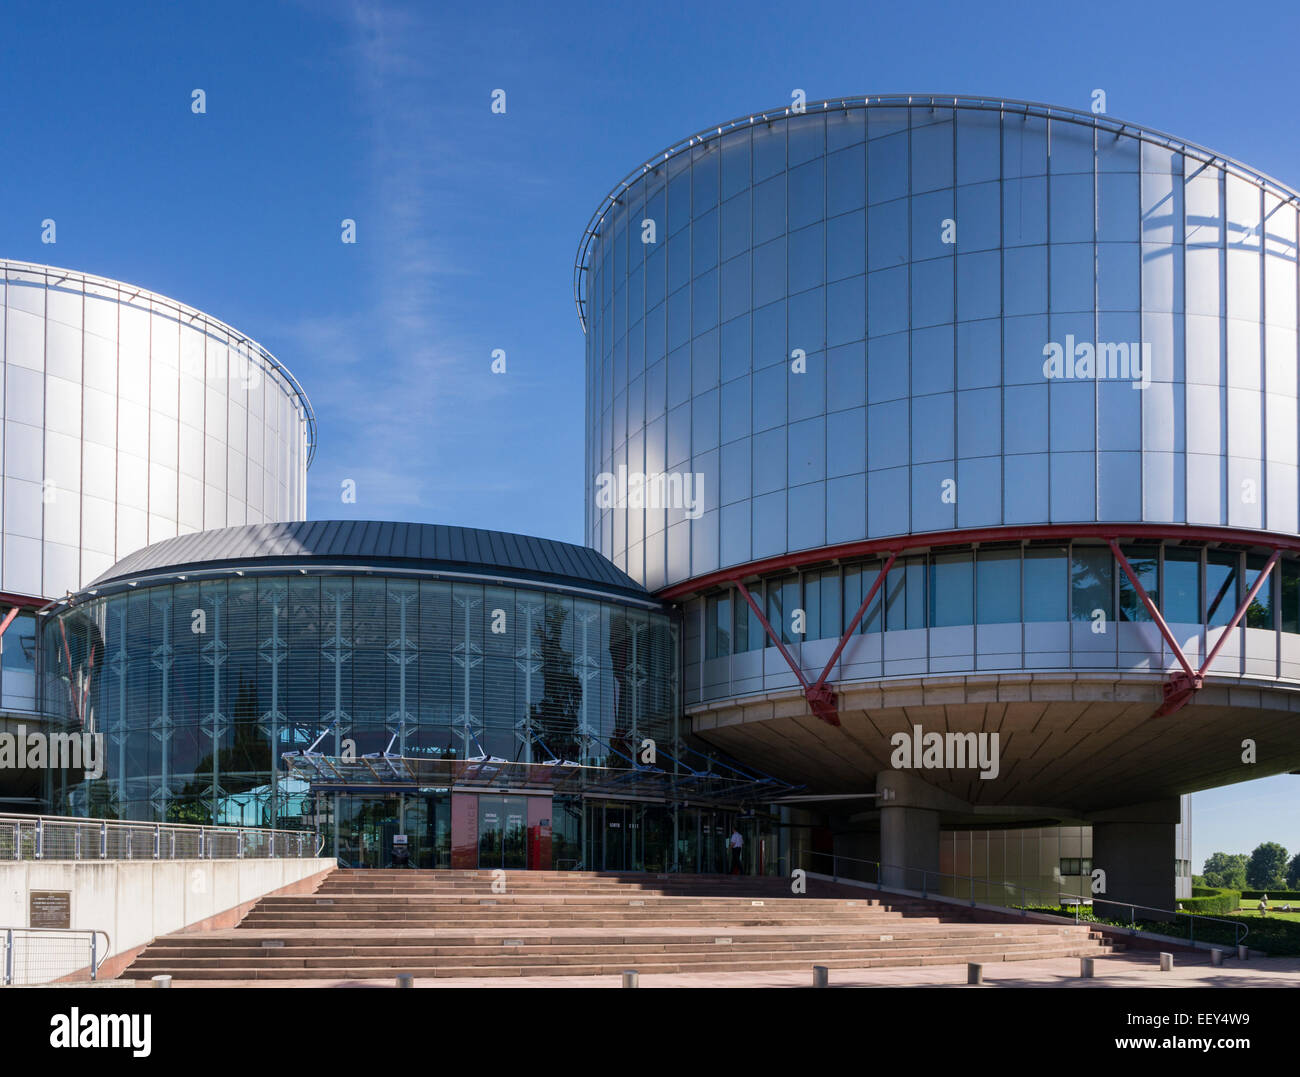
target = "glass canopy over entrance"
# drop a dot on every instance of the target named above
(712, 780)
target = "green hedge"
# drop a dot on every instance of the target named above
(1211, 901)
(1273, 895)
(1280, 938)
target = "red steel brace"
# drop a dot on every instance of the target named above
(820, 696)
(1180, 687)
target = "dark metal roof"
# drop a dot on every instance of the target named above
(378, 544)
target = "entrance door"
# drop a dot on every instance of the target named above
(503, 832)
(618, 838)
(364, 830)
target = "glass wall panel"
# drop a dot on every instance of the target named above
(1259, 614)
(997, 587)
(491, 669)
(1092, 583)
(1046, 584)
(1221, 581)
(1182, 585)
(951, 590)
(1145, 563)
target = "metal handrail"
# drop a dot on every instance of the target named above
(932, 101)
(1240, 929)
(61, 837)
(97, 956)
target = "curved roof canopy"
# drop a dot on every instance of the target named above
(378, 544)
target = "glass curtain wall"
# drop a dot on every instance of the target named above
(1046, 583)
(199, 687)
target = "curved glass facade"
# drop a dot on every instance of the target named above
(200, 686)
(130, 418)
(893, 319)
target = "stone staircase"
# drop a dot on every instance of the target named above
(376, 924)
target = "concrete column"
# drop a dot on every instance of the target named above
(1134, 846)
(909, 846)
(909, 829)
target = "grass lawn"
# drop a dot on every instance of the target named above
(1250, 911)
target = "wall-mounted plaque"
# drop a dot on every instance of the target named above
(50, 908)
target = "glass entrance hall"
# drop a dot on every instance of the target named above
(515, 832)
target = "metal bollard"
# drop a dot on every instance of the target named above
(630, 978)
(974, 973)
(162, 981)
(1216, 957)
(1087, 968)
(1166, 962)
(821, 976)
(1243, 952)
(405, 979)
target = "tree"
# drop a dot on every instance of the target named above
(1226, 870)
(1267, 867)
(1293, 873)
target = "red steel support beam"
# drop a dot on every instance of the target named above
(9, 619)
(1178, 690)
(771, 633)
(853, 625)
(820, 697)
(1181, 687)
(1241, 610)
(1270, 540)
(1151, 608)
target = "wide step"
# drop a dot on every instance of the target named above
(373, 925)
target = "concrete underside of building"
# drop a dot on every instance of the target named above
(1073, 749)
(1099, 728)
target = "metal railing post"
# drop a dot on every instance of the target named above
(94, 962)
(103, 841)
(239, 841)
(40, 838)
(157, 841)
(9, 956)
(200, 843)
(76, 843)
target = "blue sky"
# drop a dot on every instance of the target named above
(467, 222)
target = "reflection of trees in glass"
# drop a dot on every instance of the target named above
(1259, 614)
(1290, 593)
(78, 647)
(620, 658)
(1091, 576)
(243, 763)
(555, 715)
(1145, 565)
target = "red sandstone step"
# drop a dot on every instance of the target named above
(454, 924)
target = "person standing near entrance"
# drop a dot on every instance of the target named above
(736, 842)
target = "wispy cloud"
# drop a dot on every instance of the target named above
(401, 396)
